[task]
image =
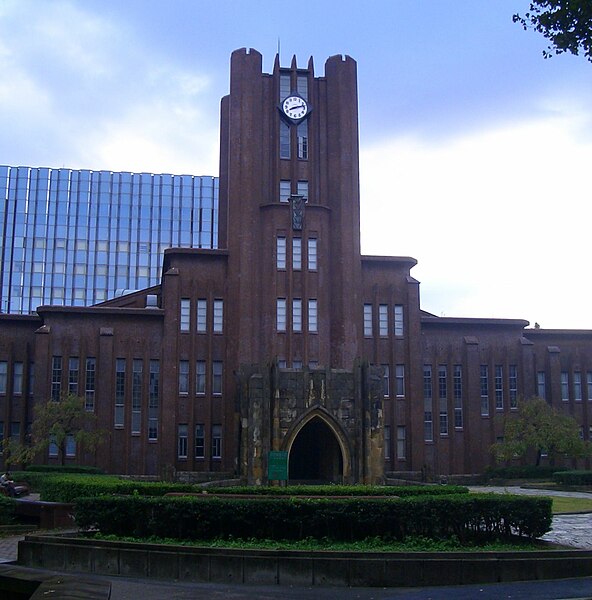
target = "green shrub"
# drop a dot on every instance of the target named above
(463, 516)
(573, 477)
(522, 472)
(64, 469)
(7, 508)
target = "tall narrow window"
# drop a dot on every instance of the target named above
(368, 320)
(56, 378)
(297, 315)
(137, 369)
(281, 314)
(119, 392)
(70, 446)
(217, 377)
(513, 377)
(296, 254)
(53, 449)
(281, 252)
(216, 441)
(499, 387)
(183, 377)
(182, 441)
(312, 316)
(400, 377)
(401, 442)
(443, 399)
(90, 378)
(17, 379)
(284, 140)
(484, 382)
(285, 190)
(153, 399)
(73, 369)
(202, 315)
(386, 392)
(302, 188)
(564, 386)
(200, 440)
(185, 314)
(577, 382)
(541, 385)
(3, 376)
(387, 442)
(218, 316)
(399, 325)
(428, 420)
(302, 133)
(200, 377)
(589, 384)
(383, 320)
(312, 254)
(458, 407)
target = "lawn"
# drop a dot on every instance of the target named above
(564, 505)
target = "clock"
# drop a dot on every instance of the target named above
(295, 108)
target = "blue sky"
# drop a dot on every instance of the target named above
(475, 152)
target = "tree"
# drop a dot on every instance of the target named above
(57, 423)
(567, 24)
(540, 428)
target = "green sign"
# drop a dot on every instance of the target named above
(277, 466)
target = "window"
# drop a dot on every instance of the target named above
(218, 316)
(297, 315)
(443, 402)
(312, 254)
(281, 252)
(387, 442)
(401, 442)
(200, 377)
(368, 320)
(3, 376)
(383, 320)
(499, 389)
(398, 312)
(312, 316)
(202, 315)
(89, 389)
(457, 390)
(302, 134)
(541, 385)
(285, 190)
(217, 377)
(428, 430)
(296, 254)
(513, 387)
(216, 441)
(284, 140)
(484, 382)
(182, 441)
(200, 441)
(17, 379)
(153, 400)
(56, 378)
(185, 314)
(70, 446)
(385, 381)
(73, 367)
(400, 381)
(281, 314)
(183, 377)
(303, 189)
(589, 384)
(297, 364)
(564, 386)
(577, 383)
(137, 368)
(119, 392)
(15, 431)
(53, 449)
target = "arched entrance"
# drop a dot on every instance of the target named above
(315, 455)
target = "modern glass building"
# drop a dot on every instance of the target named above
(77, 238)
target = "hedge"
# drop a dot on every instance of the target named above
(463, 516)
(7, 510)
(64, 469)
(573, 477)
(66, 488)
(522, 472)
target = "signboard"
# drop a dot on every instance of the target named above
(277, 466)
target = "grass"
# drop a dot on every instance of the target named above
(564, 505)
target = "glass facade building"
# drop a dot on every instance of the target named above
(79, 237)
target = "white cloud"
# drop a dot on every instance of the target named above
(499, 220)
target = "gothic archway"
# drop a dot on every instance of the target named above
(316, 454)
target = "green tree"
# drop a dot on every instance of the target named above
(54, 422)
(567, 24)
(536, 428)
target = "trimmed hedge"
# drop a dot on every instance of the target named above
(64, 469)
(573, 477)
(7, 510)
(463, 516)
(522, 472)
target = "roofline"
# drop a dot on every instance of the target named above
(473, 321)
(394, 260)
(101, 310)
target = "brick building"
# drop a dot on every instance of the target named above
(286, 338)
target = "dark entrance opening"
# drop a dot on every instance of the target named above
(316, 456)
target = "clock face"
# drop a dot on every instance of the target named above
(295, 107)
